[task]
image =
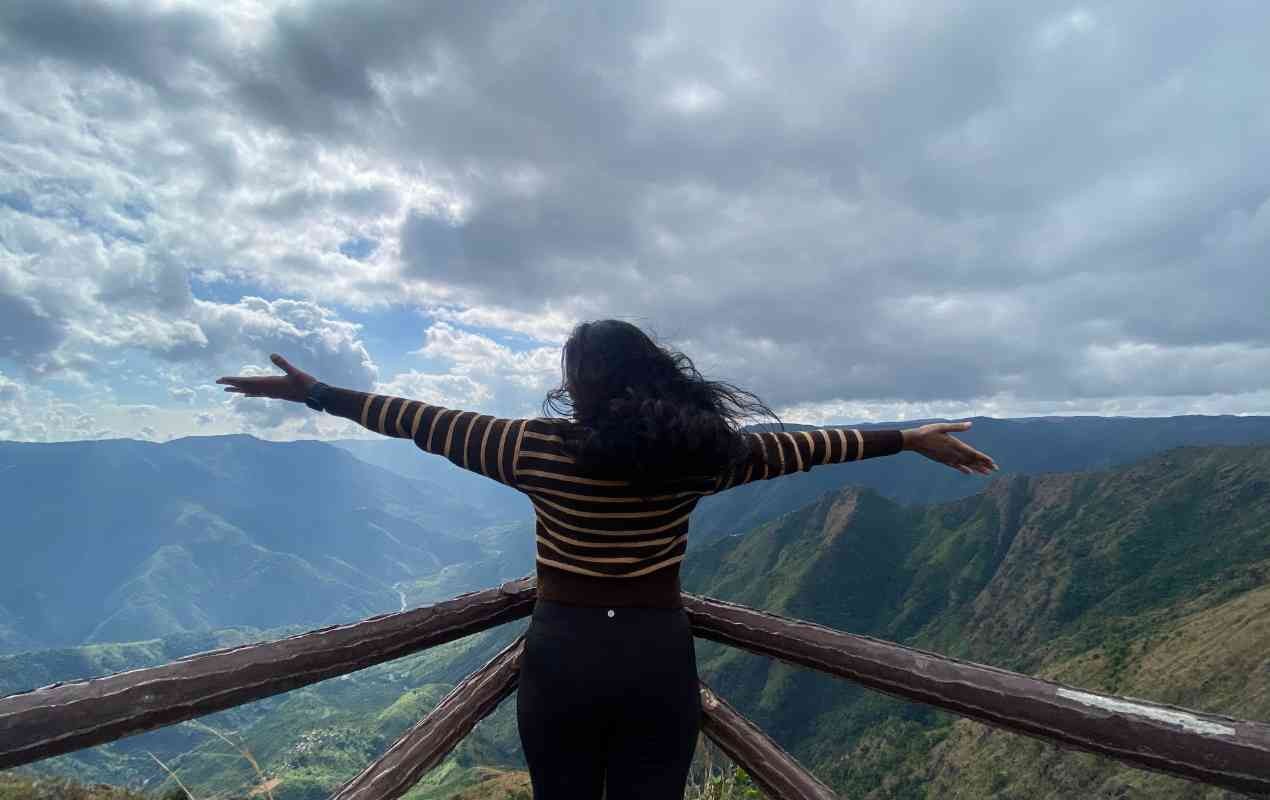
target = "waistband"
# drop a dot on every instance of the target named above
(661, 589)
(544, 607)
(548, 611)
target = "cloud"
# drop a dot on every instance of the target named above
(313, 337)
(26, 329)
(145, 42)
(10, 390)
(310, 336)
(34, 414)
(904, 205)
(471, 353)
(451, 391)
(11, 395)
(479, 370)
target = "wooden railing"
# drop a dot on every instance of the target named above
(64, 717)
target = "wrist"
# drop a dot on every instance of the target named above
(316, 396)
(909, 436)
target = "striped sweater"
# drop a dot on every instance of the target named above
(599, 542)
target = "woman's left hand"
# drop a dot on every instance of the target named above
(936, 442)
(292, 386)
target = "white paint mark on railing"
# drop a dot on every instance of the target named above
(1188, 721)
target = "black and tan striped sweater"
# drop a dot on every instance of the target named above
(599, 542)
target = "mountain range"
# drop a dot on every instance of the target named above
(1142, 568)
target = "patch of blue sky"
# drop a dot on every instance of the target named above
(227, 289)
(135, 378)
(359, 248)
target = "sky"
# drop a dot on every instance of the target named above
(859, 211)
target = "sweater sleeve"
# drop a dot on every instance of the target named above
(481, 443)
(776, 453)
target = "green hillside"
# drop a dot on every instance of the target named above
(20, 787)
(307, 741)
(1144, 581)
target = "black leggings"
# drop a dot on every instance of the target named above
(608, 698)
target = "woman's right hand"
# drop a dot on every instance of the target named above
(936, 443)
(293, 386)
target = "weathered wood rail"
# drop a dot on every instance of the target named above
(64, 717)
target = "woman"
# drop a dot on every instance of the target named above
(608, 688)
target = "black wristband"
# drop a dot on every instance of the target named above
(315, 398)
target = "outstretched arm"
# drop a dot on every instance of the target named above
(777, 453)
(477, 442)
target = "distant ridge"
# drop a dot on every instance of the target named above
(114, 540)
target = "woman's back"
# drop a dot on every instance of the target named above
(603, 542)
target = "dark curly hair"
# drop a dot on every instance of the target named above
(642, 412)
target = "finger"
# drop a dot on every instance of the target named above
(954, 426)
(969, 451)
(282, 363)
(961, 468)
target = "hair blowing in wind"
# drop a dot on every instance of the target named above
(643, 412)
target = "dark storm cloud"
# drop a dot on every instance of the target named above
(1037, 165)
(155, 46)
(503, 247)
